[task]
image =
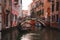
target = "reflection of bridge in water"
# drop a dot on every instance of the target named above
(45, 34)
(9, 34)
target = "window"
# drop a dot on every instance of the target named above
(15, 17)
(41, 3)
(50, 0)
(42, 11)
(52, 7)
(0, 18)
(10, 2)
(37, 4)
(0, 1)
(38, 13)
(21, 1)
(34, 6)
(57, 6)
(4, 2)
(7, 13)
(0, 26)
(0, 9)
(57, 18)
(32, 15)
(6, 20)
(53, 18)
(16, 2)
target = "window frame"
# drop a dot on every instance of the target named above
(0, 9)
(57, 6)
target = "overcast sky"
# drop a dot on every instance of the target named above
(25, 4)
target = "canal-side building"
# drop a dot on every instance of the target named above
(0, 17)
(9, 11)
(6, 13)
(38, 8)
(54, 13)
(47, 10)
(5, 18)
(32, 10)
(16, 11)
(0, 14)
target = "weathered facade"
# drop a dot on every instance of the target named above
(48, 10)
(6, 13)
(8, 16)
(54, 13)
(38, 8)
(16, 11)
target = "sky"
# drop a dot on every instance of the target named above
(25, 4)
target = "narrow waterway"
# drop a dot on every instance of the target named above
(45, 34)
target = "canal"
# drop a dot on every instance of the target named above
(44, 34)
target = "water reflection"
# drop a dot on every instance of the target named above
(45, 34)
(30, 36)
